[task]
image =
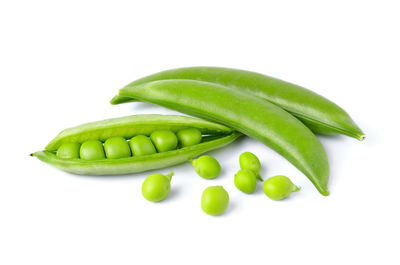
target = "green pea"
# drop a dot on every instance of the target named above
(117, 147)
(92, 150)
(245, 180)
(215, 200)
(156, 187)
(189, 136)
(279, 187)
(68, 150)
(141, 145)
(206, 167)
(164, 140)
(250, 161)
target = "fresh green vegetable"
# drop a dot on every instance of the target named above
(156, 187)
(69, 150)
(117, 147)
(92, 150)
(279, 187)
(250, 161)
(91, 135)
(245, 113)
(141, 145)
(318, 113)
(164, 140)
(206, 167)
(189, 136)
(245, 180)
(214, 200)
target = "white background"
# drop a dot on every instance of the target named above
(62, 61)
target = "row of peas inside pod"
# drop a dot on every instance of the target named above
(215, 199)
(133, 144)
(139, 145)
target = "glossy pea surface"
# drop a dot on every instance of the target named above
(142, 145)
(164, 140)
(251, 162)
(69, 150)
(92, 150)
(214, 200)
(206, 167)
(279, 187)
(245, 180)
(156, 187)
(116, 147)
(189, 136)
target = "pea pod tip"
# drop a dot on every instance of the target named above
(325, 193)
(113, 100)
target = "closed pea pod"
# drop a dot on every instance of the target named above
(245, 113)
(318, 113)
(97, 132)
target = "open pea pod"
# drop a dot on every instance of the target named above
(316, 112)
(214, 136)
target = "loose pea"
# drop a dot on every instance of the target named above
(156, 187)
(142, 145)
(279, 187)
(92, 150)
(117, 147)
(206, 167)
(68, 150)
(245, 180)
(164, 140)
(250, 161)
(215, 200)
(189, 136)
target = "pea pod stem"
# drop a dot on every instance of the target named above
(318, 113)
(296, 188)
(169, 175)
(245, 113)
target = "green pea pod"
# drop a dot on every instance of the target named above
(318, 113)
(245, 113)
(128, 127)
